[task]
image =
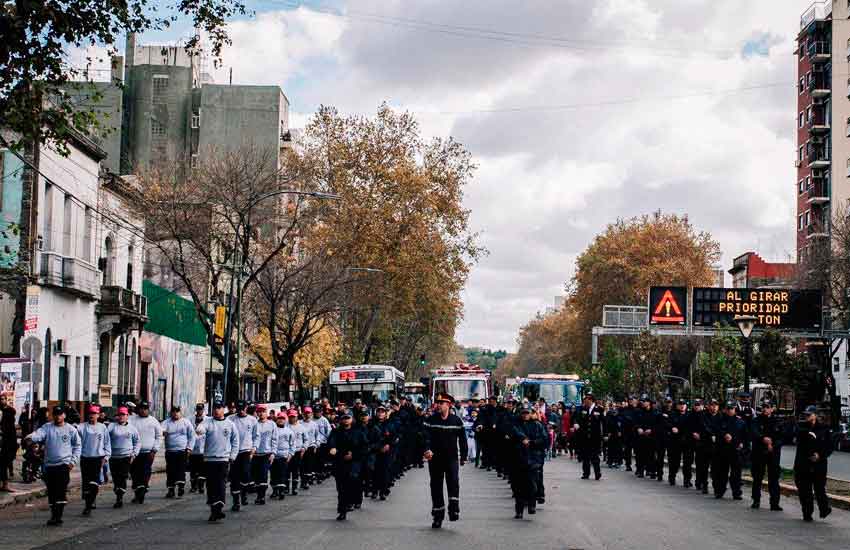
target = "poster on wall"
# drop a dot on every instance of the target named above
(16, 392)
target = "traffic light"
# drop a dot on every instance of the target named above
(422, 360)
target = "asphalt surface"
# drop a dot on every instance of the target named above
(618, 512)
(839, 462)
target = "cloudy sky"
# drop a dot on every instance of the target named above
(577, 112)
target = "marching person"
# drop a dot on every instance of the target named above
(95, 452)
(197, 479)
(814, 445)
(348, 448)
(677, 445)
(62, 452)
(308, 462)
(240, 470)
(125, 445)
(221, 447)
(766, 433)
(589, 431)
(729, 444)
(531, 439)
(299, 446)
(180, 438)
(323, 431)
(284, 439)
(261, 462)
(645, 423)
(387, 441)
(444, 438)
(150, 437)
(702, 427)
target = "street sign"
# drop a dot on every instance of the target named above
(668, 305)
(780, 308)
(220, 320)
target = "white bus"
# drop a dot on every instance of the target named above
(369, 383)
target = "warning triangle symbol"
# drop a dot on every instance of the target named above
(668, 310)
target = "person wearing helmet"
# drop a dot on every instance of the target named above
(814, 445)
(95, 452)
(444, 438)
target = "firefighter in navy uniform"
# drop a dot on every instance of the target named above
(661, 437)
(814, 445)
(386, 443)
(766, 436)
(347, 448)
(531, 440)
(628, 414)
(704, 428)
(677, 443)
(589, 432)
(645, 421)
(445, 446)
(730, 441)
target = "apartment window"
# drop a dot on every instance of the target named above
(808, 218)
(802, 120)
(157, 129)
(809, 113)
(802, 84)
(87, 234)
(800, 154)
(78, 378)
(800, 222)
(86, 377)
(67, 219)
(848, 168)
(48, 217)
(159, 91)
(808, 182)
(802, 186)
(193, 161)
(196, 120)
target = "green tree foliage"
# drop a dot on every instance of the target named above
(608, 379)
(720, 366)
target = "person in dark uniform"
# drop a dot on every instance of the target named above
(703, 433)
(661, 433)
(766, 436)
(814, 445)
(589, 430)
(388, 439)
(645, 421)
(531, 441)
(628, 416)
(729, 442)
(347, 448)
(485, 427)
(676, 443)
(445, 445)
(614, 437)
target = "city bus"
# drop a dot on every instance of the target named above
(551, 387)
(462, 381)
(370, 383)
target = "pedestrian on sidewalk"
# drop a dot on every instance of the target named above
(197, 478)
(221, 447)
(767, 449)
(62, 452)
(444, 437)
(96, 450)
(150, 437)
(8, 442)
(125, 445)
(179, 435)
(814, 445)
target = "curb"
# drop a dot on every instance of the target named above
(789, 490)
(41, 492)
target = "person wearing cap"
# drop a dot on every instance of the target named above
(125, 445)
(814, 445)
(323, 431)
(645, 424)
(62, 448)
(388, 440)
(704, 430)
(240, 470)
(614, 437)
(530, 439)
(299, 447)
(766, 438)
(264, 456)
(629, 413)
(221, 447)
(590, 430)
(661, 432)
(308, 463)
(284, 441)
(744, 408)
(444, 439)
(373, 439)
(731, 436)
(94, 453)
(347, 447)
(150, 435)
(179, 435)
(676, 442)
(197, 478)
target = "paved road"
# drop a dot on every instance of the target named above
(839, 462)
(618, 512)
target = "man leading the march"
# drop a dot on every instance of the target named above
(445, 445)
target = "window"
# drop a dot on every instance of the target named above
(802, 120)
(196, 120)
(808, 182)
(87, 233)
(800, 223)
(48, 218)
(130, 254)
(802, 84)
(848, 168)
(104, 358)
(809, 113)
(800, 154)
(802, 186)
(78, 379)
(159, 90)
(67, 233)
(157, 129)
(808, 218)
(86, 378)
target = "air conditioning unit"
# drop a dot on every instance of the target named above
(59, 346)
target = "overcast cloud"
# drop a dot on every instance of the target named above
(577, 112)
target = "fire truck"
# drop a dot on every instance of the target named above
(462, 381)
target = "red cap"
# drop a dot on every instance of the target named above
(123, 410)
(292, 412)
(308, 410)
(260, 408)
(281, 414)
(93, 409)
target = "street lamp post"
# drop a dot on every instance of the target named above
(746, 324)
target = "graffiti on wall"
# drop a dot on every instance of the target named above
(177, 373)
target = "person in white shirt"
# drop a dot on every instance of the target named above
(96, 450)
(282, 456)
(197, 478)
(299, 447)
(150, 438)
(179, 436)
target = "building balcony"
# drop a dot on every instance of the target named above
(817, 13)
(820, 85)
(818, 193)
(817, 124)
(818, 158)
(816, 231)
(819, 52)
(129, 309)
(71, 274)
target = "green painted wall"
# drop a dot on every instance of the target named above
(172, 316)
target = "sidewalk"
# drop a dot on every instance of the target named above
(26, 492)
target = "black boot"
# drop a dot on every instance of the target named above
(55, 515)
(193, 486)
(236, 506)
(274, 493)
(341, 516)
(201, 486)
(520, 508)
(181, 490)
(261, 496)
(217, 512)
(170, 493)
(119, 501)
(244, 497)
(140, 496)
